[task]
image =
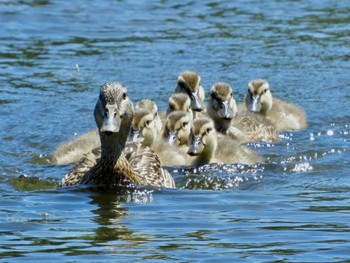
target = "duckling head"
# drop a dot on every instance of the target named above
(259, 97)
(113, 115)
(146, 104)
(179, 102)
(203, 139)
(143, 128)
(177, 128)
(221, 101)
(189, 82)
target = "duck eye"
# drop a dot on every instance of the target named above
(184, 124)
(148, 122)
(124, 95)
(265, 90)
(209, 130)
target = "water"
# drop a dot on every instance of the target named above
(292, 207)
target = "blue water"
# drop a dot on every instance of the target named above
(293, 207)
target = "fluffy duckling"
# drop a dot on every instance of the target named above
(151, 106)
(189, 82)
(144, 128)
(179, 102)
(177, 128)
(113, 115)
(172, 149)
(285, 116)
(209, 148)
(73, 150)
(221, 106)
(146, 123)
(243, 126)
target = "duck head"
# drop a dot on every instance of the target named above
(189, 82)
(202, 138)
(259, 97)
(177, 128)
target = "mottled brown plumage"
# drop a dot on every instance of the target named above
(137, 164)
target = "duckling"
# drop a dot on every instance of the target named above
(73, 150)
(144, 127)
(243, 126)
(177, 128)
(179, 102)
(209, 148)
(172, 148)
(189, 82)
(221, 106)
(286, 116)
(113, 115)
(151, 106)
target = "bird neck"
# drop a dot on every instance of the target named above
(113, 145)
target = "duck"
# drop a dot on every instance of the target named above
(179, 102)
(176, 128)
(172, 148)
(146, 123)
(111, 165)
(285, 116)
(208, 147)
(189, 82)
(243, 126)
(144, 128)
(151, 106)
(72, 151)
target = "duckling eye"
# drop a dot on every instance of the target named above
(184, 124)
(209, 130)
(148, 123)
(231, 94)
(265, 90)
(124, 95)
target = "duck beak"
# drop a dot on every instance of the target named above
(196, 104)
(171, 137)
(225, 112)
(111, 121)
(195, 147)
(254, 104)
(135, 135)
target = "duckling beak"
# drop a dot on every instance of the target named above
(254, 104)
(111, 121)
(196, 104)
(195, 147)
(225, 112)
(135, 135)
(171, 137)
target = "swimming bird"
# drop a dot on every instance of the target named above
(73, 150)
(113, 115)
(176, 128)
(243, 126)
(151, 106)
(208, 147)
(189, 82)
(286, 116)
(179, 102)
(146, 123)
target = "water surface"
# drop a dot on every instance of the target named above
(293, 207)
